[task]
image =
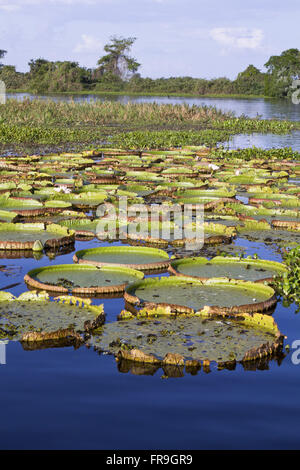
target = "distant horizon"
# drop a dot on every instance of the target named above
(199, 39)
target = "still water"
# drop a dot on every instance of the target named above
(77, 399)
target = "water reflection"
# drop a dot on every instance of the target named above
(266, 141)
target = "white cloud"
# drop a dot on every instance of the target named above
(88, 44)
(241, 38)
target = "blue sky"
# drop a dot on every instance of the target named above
(199, 38)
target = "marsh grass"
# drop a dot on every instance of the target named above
(51, 113)
(46, 122)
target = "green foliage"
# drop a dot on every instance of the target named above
(288, 284)
(166, 139)
(11, 134)
(117, 61)
(282, 70)
(117, 72)
(253, 153)
(51, 113)
(244, 125)
(47, 77)
(14, 80)
(251, 81)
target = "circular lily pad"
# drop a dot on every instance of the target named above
(82, 279)
(34, 315)
(142, 258)
(21, 205)
(212, 339)
(186, 295)
(84, 228)
(33, 236)
(256, 270)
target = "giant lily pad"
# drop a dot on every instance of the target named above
(186, 295)
(34, 236)
(36, 317)
(232, 268)
(195, 338)
(83, 227)
(142, 258)
(21, 206)
(82, 279)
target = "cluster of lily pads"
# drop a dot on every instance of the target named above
(205, 308)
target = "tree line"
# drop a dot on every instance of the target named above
(118, 71)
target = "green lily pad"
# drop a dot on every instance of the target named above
(212, 339)
(82, 279)
(24, 236)
(232, 268)
(32, 312)
(187, 294)
(142, 258)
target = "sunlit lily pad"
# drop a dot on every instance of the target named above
(142, 258)
(232, 268)
(175, 340)
(35, 313)
(82, 278)
(187, 294)
(34, 236)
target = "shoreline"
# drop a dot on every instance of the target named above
(154, 94)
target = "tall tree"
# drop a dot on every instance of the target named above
(281, 71)
(117, 61)
(2, 54)
(250, 81)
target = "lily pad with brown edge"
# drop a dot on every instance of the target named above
(85, 199)
(8, 216)
(261, 231)
(141, 258)
(213, 234)
(34, 236)
(154, 232)
(82, 278)
(84, 228)
(254, 270)
(33, 317)
(21, 205)
(178, 341)
(286, 224)
(188, 295)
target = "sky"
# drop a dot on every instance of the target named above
(198, 38)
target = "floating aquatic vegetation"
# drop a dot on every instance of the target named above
(34, 236)
(255, 270)
(191, 340)
(142, 258)
(82, 278)
(188, 295)
(33, 317)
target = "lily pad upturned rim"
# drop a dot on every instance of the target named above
(278, 267)
(64, 235)
(286, 224)
(43, 298)
(164, 264)
(135, 303)
(81, 233)
(29, 279)
(258, 320)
